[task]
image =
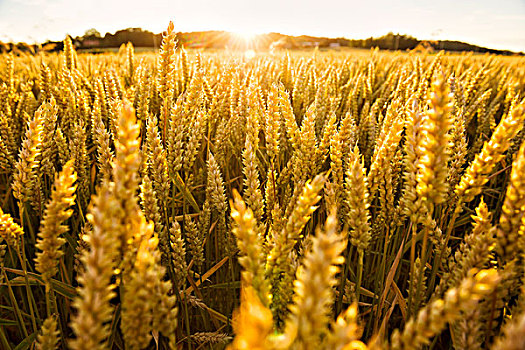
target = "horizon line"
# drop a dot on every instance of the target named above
(483, 46)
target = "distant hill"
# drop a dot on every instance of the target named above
(93, 41)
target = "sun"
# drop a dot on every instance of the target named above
(246, 36)
(245, 40)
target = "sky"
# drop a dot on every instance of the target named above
(498, 24)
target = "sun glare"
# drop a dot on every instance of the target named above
(245, 40)
(246, 36)
(249, 54)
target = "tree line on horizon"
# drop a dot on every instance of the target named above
(93, 41)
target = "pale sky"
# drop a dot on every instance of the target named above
(496, 24)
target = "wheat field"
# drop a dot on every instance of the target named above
(291, 200)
